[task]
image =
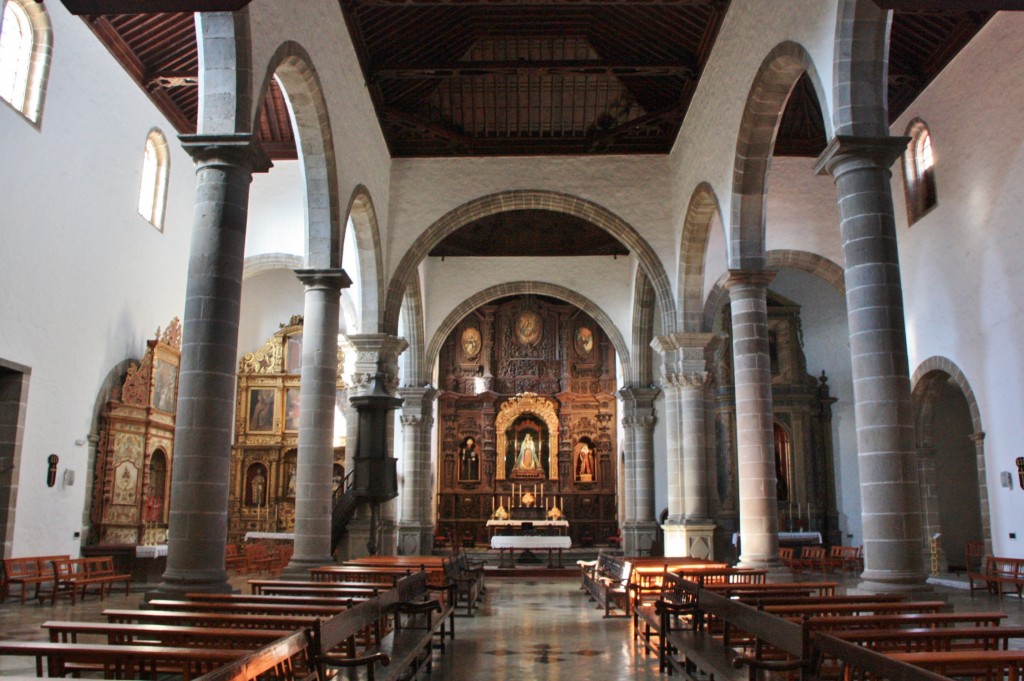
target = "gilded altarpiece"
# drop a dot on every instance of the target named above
(802, 427)
(528, 408)
(264, 456)
(132, 478)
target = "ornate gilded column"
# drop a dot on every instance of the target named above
(415, 528)
(640, 531)
(759, 520)
(890, 502)
(376, 366)
(206, 388)
(315, 460)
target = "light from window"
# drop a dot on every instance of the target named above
(924, 152)
(919, 172)
(153, 191)
(15, 55)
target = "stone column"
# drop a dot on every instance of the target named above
(375, 353)
(978, 439)
(315, 461)
(640, 531)
(671, 385)
(415, 528)
(206, 385)
(759, 519)
(878, 345)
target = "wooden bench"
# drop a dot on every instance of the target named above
(99, 571)
(285, 587)
(374, 574)
(467, 585)
(865, 607)
(30, 571)
(986, 664)
(259, 558)
(999, 571)
(845, 559)
(905, 620)
(162, 634)
(929, 639)
(334, 598)
(608, 584)
(334, 608)
(290, 658)
(677, 600)
(210, 619)
(119, 661)
(856, 662)
(811, 558)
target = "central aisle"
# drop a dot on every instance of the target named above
(542, 629)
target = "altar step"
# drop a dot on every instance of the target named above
(541, 570)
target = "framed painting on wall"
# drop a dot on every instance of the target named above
(262, 407)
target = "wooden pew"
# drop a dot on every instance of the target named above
(769, 589)
(905, 620)
(290, 658)
(988, 664)
(340, 597)
(1000, 571)
(933, 638)
(28, 571)
(99, 571)
(327, 610)
(857, 662)
(467, 585)
(608, 584)
(285, 587)
(210, 619)
(378, 574)
(864, 608)
(677, 599)
(119, 661)
(162, 634)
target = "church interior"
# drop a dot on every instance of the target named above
(683, 277)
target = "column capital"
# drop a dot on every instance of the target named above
(333, 279)
(749, 278)
(239, 149)
(376, 355)
(411, 419)
(848, 152)
(637, 397)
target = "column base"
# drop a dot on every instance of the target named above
(690, 540)
(639, 538)
(298, 568)
(175, 584)
(886, 581)
(415, 539)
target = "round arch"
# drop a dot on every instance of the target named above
(526, 200)
(256, 265)
(529, 287)
(417, 372)
(225, 92)
(765, 104)
(371, 257)
(293, 68)
(861, 62)
(700, 213)
(812, 263)
(930, 375)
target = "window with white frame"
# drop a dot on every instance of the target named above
(919, 172)
(156, 163)
(25, 47)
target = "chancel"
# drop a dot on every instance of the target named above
(690, 279)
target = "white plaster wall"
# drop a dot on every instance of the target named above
(84, 280)
(803, 210)
(705, 149)
(268, 300)
(963, 263)
(635, 188)
(826, 336)
(359, 147)
(277, 204)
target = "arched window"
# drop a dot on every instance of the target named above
(25, 47)
(155, 166)
(919, 172)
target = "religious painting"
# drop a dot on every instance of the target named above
(583, 461)
(469, 461)
(584, 340)
(291, 409)
(256, 485)
(154, 506)
(471, 342)
(165, 385)
(262, 407)
(528, 328)
(126, 478)
(293, 354)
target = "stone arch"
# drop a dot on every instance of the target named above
(860, 69)
(774, 82)
(805, 261)
(293, 68)
(267, 262)
(700, 213)
(929, 376)
(643, 331)
(513, 288)
(417, 372)
(371, 257)
(225, 68)
(524, 200)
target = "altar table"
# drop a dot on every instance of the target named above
(510, 543)
(517, 525)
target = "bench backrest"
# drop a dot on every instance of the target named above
(342, 629)
(286, 659)
(780, 634)
(857, 662)
(31, 566)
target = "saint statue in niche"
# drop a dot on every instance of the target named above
(528, 328)
(469, 461)
(584, 340)
(471, 342)
(527, 458)
(257, 487)
(584, 462)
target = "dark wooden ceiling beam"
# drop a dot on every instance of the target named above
(465, 69)
(953, 6)
(99, 7)
(547, 3)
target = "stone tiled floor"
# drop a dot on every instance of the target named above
(530, 628)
